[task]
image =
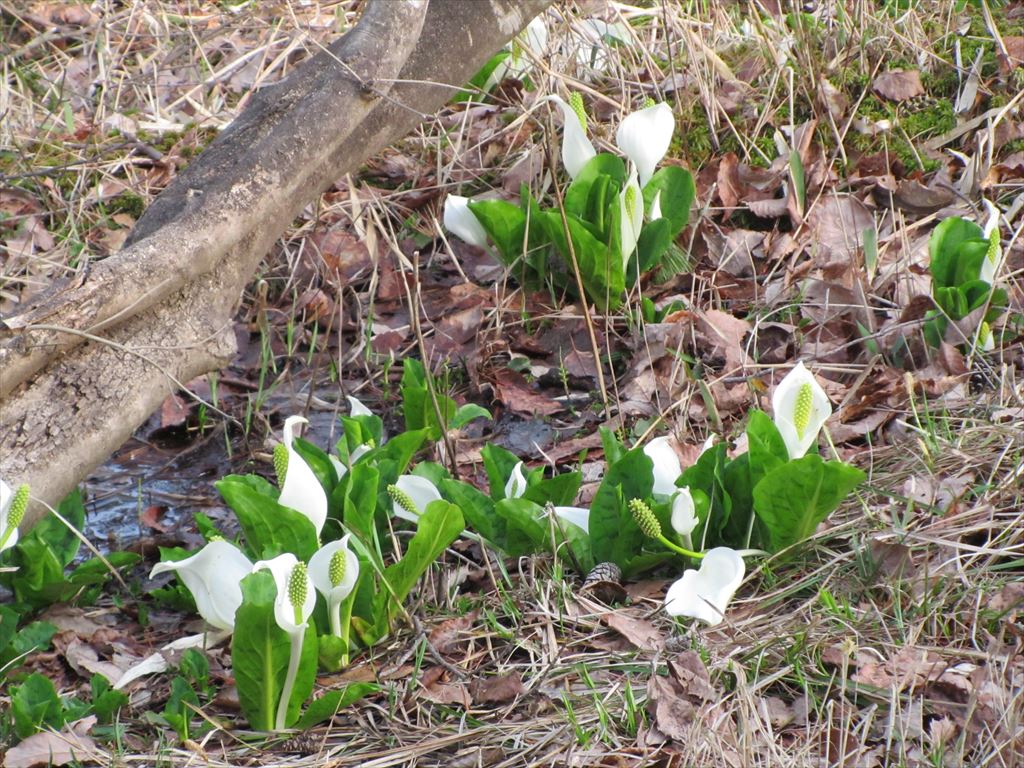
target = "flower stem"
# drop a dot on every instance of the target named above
(289, 680)
(676, 548)
(335, 613)
(346, 626)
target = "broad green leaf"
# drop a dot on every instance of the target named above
(506, 225)
(35, 703)
(270, 529)
(766, 447)
(333, 702)
(526, 529)
(28, 639)
(260, 651)
(438, 526)
(578, 194)
(796, 173)
(944, 248)
(678, 192)
(466, 413)
(793, 499)
(498, 463)
(614, 535)
(105, 700)
(560, 490)
(600, 267)
(708, 476)
(655, 239)
(477, 509)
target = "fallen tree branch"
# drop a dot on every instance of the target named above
(171, 294)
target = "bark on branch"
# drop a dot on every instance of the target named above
(165, 303)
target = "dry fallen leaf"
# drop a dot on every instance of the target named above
(436, 688)
(451, 634)
(898, 84)
(57, 748)
(639, 632)
(500, 689)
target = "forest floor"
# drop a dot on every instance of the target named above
(893, 637)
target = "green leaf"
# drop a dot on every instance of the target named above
(260, 652)
(270, 528)
(796, 173)
(614, 535)
(944, 248)
(95, 571)
(39, 579)
(105, 700)
(793, 499)
(526, 529)
(578, 196)
(560, 490)
(360, 500)
(498, 464)
(34, 704)
(707, 475)
(600, 267)
(678, 192)
(466, 413)
(765, 445)
(505, 223)
(477, 509)
(655, 239)
(332, 702)
(438, 526)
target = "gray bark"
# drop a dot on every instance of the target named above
(164, 304)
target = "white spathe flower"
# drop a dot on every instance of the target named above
(684, 514)
(990, 264)
(704, 594)
(577, 150)
(516, 485)
(592, 38)
(631, 207)
(462, 222)
(295, 596)
(800, 407)
(302, 491)
(334, 570)
(213, 575)
(292, 608)
(517, 64)
(644, 137)
(420, 490)
(578, 516)
(12, 511)
(666, 465)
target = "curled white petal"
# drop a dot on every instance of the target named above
(516, 485)
(320, 570)
(705, 593)
(644, 137)
(213, 575)
(281, 568)
(655, 213)
(302, 491)
(666, 465)
(576, 147)
(684, 514)
(784, 404)
(462, 222)
(577, 516)
(6, 496)
(632, 218)
(420, 490)
(356, 406)
(992, 223)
